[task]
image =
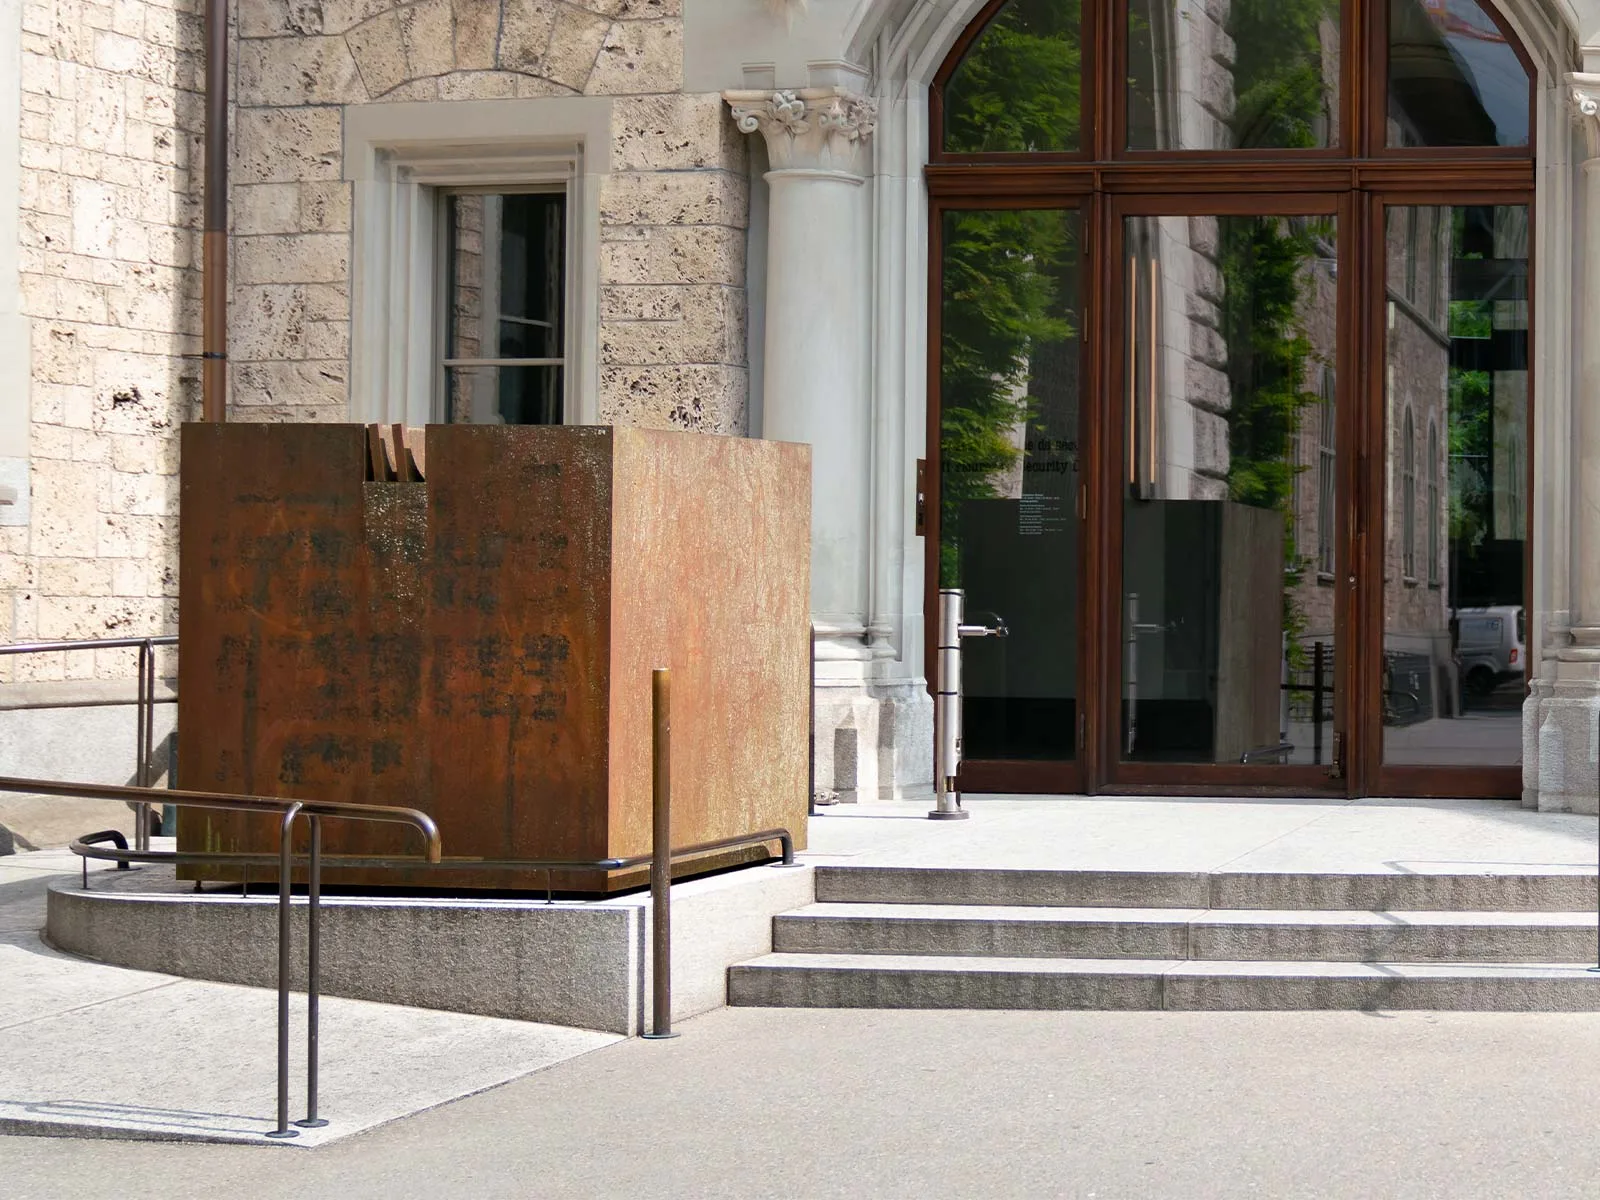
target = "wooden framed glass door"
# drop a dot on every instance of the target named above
(1007, 472)
(1229, 397)
(1446, 510)
(1224, 495)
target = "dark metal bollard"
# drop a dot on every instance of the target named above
(285, 891)
(661, 852)
(811, 729)
(313, 973)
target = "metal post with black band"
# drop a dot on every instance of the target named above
(947, 701)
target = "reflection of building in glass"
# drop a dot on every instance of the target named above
(1421, 678)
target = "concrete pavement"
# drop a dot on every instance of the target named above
(859, 1103)
(1222, 833)
(96, 1050)
(787, 1103)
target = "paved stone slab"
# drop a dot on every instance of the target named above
(98, 1051)
(138, 1054)
(1018, 930)
(1210, 834)
(932, 981)
(892, 1105)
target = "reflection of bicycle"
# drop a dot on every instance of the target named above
(1401, 708)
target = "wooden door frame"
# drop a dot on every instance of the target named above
(1202, 778)
(1355, 180)
(1374, 777)
(1042, 776)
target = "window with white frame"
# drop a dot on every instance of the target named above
(504, 305)
(475, 259)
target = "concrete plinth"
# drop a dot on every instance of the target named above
(83, 730)
(575, 963)
(874, 740)
(1560, 739)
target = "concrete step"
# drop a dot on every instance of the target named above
(953, 981)
(1176, 933)
(1455, 891)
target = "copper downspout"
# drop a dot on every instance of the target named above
(214, 250)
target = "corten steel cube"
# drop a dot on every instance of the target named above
(479, 645)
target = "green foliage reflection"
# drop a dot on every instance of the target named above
(1010, 282)
(1017, 89)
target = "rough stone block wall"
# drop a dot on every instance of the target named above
(673, 209)
(109, 184)
(111, 187)
(673, 216)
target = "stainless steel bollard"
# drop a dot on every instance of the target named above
(947, 701)
(947, 708)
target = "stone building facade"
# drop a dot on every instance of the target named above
(746, 254)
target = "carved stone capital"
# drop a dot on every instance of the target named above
(822, 128)
(1583, 92)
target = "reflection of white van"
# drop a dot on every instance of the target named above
(1489, 644)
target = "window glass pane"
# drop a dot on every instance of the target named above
(1227, 648)
(504, 395)
(533, 240)
(507, 285)
(1456, 363)
(1240, 75)
(1010, 354)
(1454, 79)
(1019, 86)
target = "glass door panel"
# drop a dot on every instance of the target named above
(1009, 420)
(1455, 485)
(1229, 456)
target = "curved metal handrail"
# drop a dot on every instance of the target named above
(127, 643)
(289, 810)
(231, 802)
(144, 704)
(122, 856)
(660, 860)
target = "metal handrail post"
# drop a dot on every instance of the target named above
(661, 853)
(144, 706)
(285, 891)
(147, 752)
(313, 972)
(811, 728)
(1596, 967)
(141, 811)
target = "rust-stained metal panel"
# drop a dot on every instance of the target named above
(519, 597)
(712, 579)
(270, 532)
(454, 644)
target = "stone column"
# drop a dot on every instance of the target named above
(817, 389)
(15, 379)
(1559, 730)
(816, 351)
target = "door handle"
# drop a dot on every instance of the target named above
(922, 498)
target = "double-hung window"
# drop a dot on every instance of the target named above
(475, 259)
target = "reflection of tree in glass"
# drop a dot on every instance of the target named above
(1265, 264)
(1009, 277)
(1007, 289)
(1278, 82)
(1471, 415)
(1017, 89)
(1265, 281)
